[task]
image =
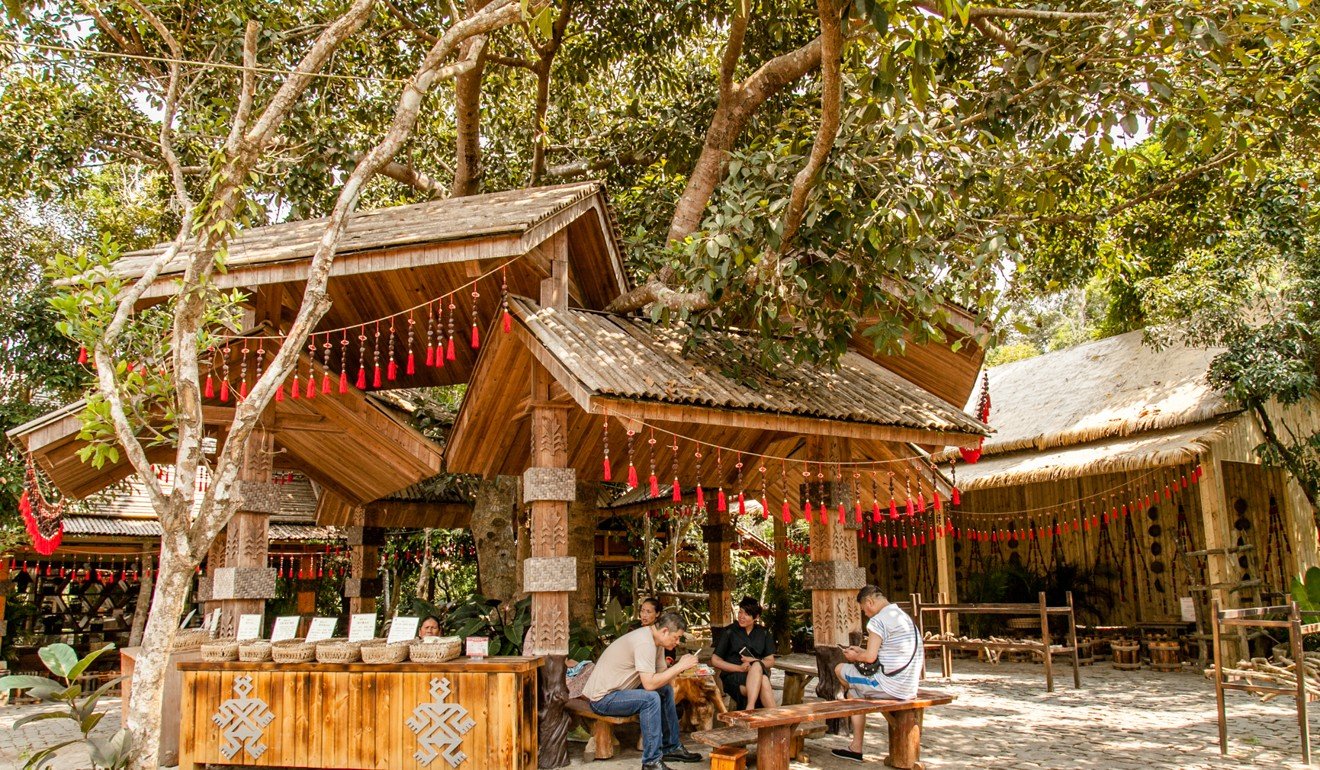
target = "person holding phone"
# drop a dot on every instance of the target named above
(887, 668)
(744, 657)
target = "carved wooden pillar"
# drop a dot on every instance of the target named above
(246, 580)
(306, 585)
(582, 517)
(362, 586)
(833, 575)
(947, 582)
(550, 574)
(718, 580)
(785, 640)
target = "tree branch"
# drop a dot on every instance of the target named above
(128, 46)
(413, 178)
(654, 291)
(408, 23)
(579, 167)
(831, 36)
(982, 12)
(543, 67)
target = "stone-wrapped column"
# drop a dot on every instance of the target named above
(362, 586)
(549, 574)
(833, 578)
(246, 580)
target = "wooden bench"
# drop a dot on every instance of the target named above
(733, 739)
(796, 678)
(775, 726)
(602, 727)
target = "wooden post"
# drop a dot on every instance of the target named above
(362, 586)
(1072, 642)
(550, 574)
(246, 580)
(1218, 528)
(718, 580)
(833, 576)
(945, 578)
(1295, 643)
(306, 588)
(781, 580)
(4, 591)
(1045, 642)
(1219, 675)
(582, 517)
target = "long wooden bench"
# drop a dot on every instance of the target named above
(738, 737)
(602, 727)
(775, 726)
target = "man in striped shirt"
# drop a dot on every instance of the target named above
(888, 668)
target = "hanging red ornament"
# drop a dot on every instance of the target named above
(806, 511)
(955, 497)
(362, 359)
(507, 320)
(742, 505)
(786, 514)
(209, 390)
(375, 358)
(449, 345)
(411, 367)
(842, 515)
(701, 496)
(82, 355)
(224, 391)
(653, 481)
(430, 335)
(605, 431)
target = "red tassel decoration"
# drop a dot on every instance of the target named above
(375, 376)
(449, 350)
(82, 355)
(786, 514)
(632, 476)
(606, 468)
(911, 507)
(875, 510)
(343, 381)
(701, 497)
(857, 511)
(242, 389)
(721, 502)
(921, 502)
(841, 515)
(655, 486)
(678, 492)
(508, 322)
(362, 378)
(955, 497)
(806, 512)
(311, 386)
(935, 498)
(209, 392)
(893, 509)
(412, 363)
(476, 338)
(430, 355)
(742, 505)
(392, 371)
(224, 391)
(279, 392)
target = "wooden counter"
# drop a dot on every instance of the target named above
(465, 714)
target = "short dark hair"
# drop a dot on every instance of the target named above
(671, 621)
(655, 604)
(750, 606)
(869, 592)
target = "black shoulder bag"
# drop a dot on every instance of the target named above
(874, 667)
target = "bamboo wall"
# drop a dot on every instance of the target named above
(1137, 560)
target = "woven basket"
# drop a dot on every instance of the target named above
(378, 651)
(257, 651)
(436, 652)
(292, 651)
(220, 651)
(191, 639)
(338, 651)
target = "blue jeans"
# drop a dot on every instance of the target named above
(656, 712)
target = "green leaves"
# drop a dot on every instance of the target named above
(59, 658)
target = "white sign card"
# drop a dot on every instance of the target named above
(286, 627)
(362, 627)
(403, 630)
(477, 646)
(249, 627)
(324, 628)
(1188, 607)
(192, 612)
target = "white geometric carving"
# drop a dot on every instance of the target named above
(440, 727)
(243, 720)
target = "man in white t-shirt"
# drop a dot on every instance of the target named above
(892, 640)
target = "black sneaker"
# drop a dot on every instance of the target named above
(855, 756)
(659, 764)
(681, 754)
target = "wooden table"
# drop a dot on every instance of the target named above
(774, 726)
(466, 714)
(798, 670)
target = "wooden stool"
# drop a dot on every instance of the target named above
(728, 758)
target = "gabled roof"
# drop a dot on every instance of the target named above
(507, 224)
(1113, 387)
(614, 370)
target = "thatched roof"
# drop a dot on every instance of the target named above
(1105, 389)
(1154, 449)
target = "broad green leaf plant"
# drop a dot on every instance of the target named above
(106, 753)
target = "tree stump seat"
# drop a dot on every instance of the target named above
(602, 726)
(775, 727)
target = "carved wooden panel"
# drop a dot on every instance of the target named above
(549, 632)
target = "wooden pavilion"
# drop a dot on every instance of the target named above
(1105, 443)
(544, 401)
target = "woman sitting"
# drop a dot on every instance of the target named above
(430, 626)
(744, 655)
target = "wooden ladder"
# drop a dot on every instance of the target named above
(1248, 595)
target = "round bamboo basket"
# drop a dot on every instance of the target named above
(338, 651)
(256, 651)
(292, 651)
(1165, 655)
(1127, 654)
(435, 652)
(191, 639)
(379, 651)
(220, 651)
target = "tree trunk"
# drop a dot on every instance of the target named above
(494, 513)
(424, 575)
(173, 579)
(143, 605)
(582, 514)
